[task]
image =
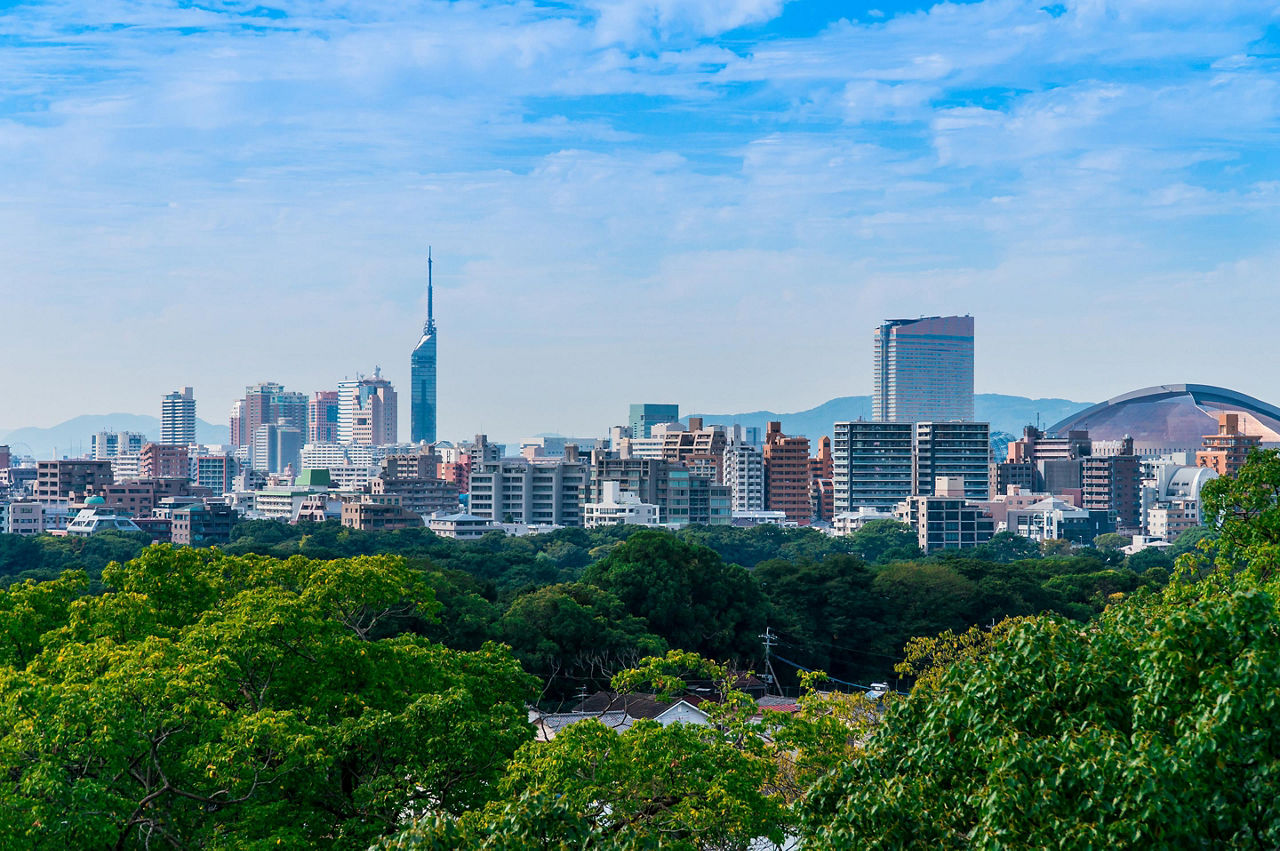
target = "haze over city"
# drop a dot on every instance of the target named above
(712, 204)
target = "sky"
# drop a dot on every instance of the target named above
(711, 203)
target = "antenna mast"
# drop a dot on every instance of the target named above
(431, 320)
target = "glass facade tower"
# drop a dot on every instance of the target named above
(923, 370)
(422, 376)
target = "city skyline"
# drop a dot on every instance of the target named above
(650, 181)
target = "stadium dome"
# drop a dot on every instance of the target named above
(1173, 416)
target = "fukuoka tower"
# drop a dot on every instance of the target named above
(422, 376)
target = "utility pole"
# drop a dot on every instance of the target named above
(770, 679)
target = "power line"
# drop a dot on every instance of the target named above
(800, 667)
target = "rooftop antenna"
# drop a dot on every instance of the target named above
(431, 320)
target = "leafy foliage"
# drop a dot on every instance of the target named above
(237, 702)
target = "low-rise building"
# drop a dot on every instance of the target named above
(1053, 519)
(462, 526)
(848, 522)
(96, 517)
(24, 518)
(619, 507)
(945, 520)
(369, 516)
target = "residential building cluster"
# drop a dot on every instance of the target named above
(336, 454)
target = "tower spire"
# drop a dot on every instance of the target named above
(431, 320)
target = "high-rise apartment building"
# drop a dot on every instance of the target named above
(923, 370)
(743, 474)
(786, 474)
(643, 417)
(322, 417)
(178, 417)
(422, 375)
(367, 411)
(872, 464)
(959, 451)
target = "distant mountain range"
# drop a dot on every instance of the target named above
(71, 438)
(1005, 413)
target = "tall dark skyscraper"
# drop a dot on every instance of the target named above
(422, 376)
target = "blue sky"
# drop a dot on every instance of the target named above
(631, 200)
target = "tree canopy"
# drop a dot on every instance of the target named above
(216, 701)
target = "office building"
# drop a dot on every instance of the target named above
(266, 403)
(110, 444)
(957, 450)
(786, 474)
(645, 416)
(367, 411)
(277, 447)
(322, 417)
(178, 417)
(422, 375)
(1226, 451)
(923, 370)
(872, 465)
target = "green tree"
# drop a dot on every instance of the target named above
(577, 632)
(1005, 547)
(214, 701)
(1149, 727)
(886, 541)
(1110, 541)
(686, 593)
(1055, 547)
(823, 608)
(1147, 558)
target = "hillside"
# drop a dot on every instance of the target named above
(1005, 413)
(71, 438)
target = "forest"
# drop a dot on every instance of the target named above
(578, 605)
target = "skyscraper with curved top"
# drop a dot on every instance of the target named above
(422, 375)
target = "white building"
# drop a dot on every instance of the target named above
(464, 527)
(95, 517)
(280, 503)
(617, 507)
(108, 444)
(848, 522)
(1050, 519)
(744, 476)
(761, 518)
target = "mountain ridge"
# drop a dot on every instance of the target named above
(72, 437)
(1005, 413)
